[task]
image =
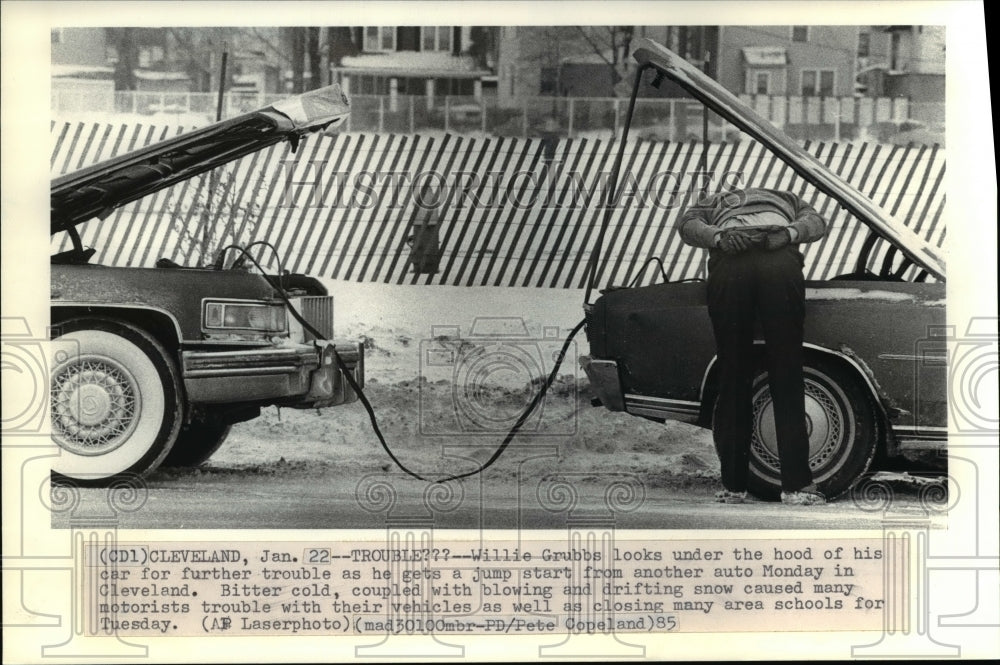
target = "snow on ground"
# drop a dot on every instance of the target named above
(437, 387)
(396, 321)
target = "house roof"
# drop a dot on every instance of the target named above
(765, 56)
(91, 71)
(150, 75)
(412, 63)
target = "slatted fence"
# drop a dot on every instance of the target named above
(507, 211)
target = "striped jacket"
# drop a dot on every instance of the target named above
(700, 222)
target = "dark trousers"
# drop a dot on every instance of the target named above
(768, 286)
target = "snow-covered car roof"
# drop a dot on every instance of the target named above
(97, 190)
(727, 105)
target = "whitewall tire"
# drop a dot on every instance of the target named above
(115, 402)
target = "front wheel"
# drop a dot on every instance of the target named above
(841, 423)
(115, 402)
(197, 442)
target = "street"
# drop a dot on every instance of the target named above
(292, 496)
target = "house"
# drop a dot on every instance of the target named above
(82, 78)
(792, 60)
(571, 61)
(143, 59)
(252, 73)
(425, 61)
(592, 61)
(82, 47)
(905, 61)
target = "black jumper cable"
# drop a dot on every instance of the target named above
(612, 196)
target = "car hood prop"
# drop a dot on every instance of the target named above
(613, 193)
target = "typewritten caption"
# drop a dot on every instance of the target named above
(281, 588)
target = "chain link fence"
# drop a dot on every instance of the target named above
(886, 120)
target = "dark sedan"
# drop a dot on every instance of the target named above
(875, 367)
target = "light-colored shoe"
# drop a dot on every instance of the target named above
(725, 496)
(803, 498)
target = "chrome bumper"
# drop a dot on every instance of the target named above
(328, 385)
(606, 385)
(297, 375)
(604, 382)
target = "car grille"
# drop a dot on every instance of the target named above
(318, 311)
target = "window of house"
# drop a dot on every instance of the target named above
(895, 40)
(800, 33)
(817, 82)
(864, 44)
(758, 82)
(454, 87)
(465, 88)
(380, 38)
(548, 77)
(436, 38)
(387, 37)
(368, 84)
(371, 39)
(762, 83)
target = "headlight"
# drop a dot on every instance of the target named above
(296, 332)
(243, 315)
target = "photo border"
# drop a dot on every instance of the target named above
(972, 293)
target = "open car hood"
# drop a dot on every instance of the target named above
(727, 105)
(98, 190)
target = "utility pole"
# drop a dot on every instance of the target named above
(222, 82)
(207, 222)
(704, 120)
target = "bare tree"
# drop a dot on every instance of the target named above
(557, 43)
(297, 38)
(483, 46)
(222, 213)
(314, 56)
(271, 47)
(127, 48)
(553, 46)
(305, 54)
(199, 49)
(612, 45)
(340, 44)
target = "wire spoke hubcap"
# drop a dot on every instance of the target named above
(95, 405)
(825, 424)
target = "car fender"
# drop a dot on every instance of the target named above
(845, 355)
(128, 311)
